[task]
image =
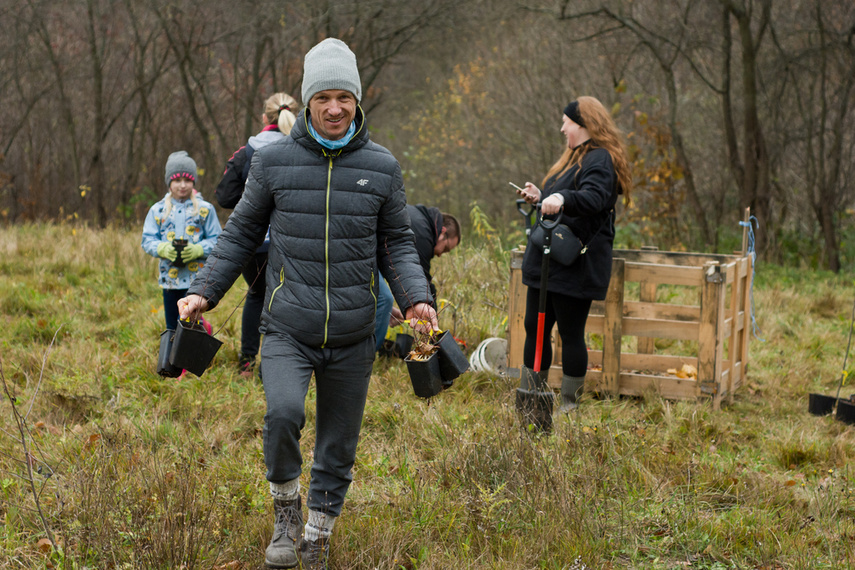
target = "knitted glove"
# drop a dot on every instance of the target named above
(192, 251)
(166, 251)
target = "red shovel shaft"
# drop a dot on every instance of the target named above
(539, 350)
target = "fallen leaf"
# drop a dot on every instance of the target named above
(92, 440)
(44, 545)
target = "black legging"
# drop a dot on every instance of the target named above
(571, 315)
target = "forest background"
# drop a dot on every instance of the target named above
(727, 104)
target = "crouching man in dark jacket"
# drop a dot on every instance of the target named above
(331, 197)
(436, 233)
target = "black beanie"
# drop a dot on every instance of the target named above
(572, 111)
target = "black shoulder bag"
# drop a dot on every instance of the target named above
(565, 247)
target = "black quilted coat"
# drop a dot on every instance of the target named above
(333, 217)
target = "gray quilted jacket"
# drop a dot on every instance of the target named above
(334, 216)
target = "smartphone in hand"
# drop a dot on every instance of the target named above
(515, 186)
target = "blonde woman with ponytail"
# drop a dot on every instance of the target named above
(278, 117)
(581, 189)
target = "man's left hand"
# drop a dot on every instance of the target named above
(396, 318)
(422, 318)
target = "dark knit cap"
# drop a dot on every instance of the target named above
(178, 165)
(572, 112)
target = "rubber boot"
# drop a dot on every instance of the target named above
(571, 390)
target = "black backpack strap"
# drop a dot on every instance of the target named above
(249, 152)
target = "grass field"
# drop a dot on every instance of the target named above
(119, 468)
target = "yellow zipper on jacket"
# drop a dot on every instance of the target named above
(327, 252)
(281, 283)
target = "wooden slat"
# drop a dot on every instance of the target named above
(647, 295)
(658, 363)
(734, 330)
(667, 386)
(554, 378)
(745, 309)
(594, 324)
(660, 328)
(516, 311)
(679, 258)
(664, 274)
(636, 384)
(642, 310)
(742, 267)
(710, 339)
(613, 327)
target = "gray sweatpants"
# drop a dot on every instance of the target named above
(341, 377)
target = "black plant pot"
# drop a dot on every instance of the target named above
(425, 375)
(179, 244)
(846, 411)
(403, 345)
(452, 361)
(164, 367)
(820, 404)
(193, 348)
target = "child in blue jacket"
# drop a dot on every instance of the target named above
(181, 214)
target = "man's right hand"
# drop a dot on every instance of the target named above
(192, 306)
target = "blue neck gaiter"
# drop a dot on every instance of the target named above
(333, 145)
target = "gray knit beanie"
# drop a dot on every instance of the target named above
(330, 65)
(180, 164)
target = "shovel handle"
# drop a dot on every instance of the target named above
(531, 207)
(549, 224)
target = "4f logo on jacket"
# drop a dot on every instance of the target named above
(362, 182)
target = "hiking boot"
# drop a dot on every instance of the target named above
(315, 553)
(287, 530)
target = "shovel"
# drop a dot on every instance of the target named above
(534, 399)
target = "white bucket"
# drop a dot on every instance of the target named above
(490, 356)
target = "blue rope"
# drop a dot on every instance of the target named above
(753, 253)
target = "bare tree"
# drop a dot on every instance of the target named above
(816, 55)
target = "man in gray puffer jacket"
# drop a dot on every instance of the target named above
(336, 207)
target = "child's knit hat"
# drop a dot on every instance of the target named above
(179, 164)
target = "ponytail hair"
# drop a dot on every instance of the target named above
(281, 109)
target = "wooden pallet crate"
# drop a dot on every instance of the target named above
(717, 324)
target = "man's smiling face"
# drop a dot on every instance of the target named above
(332, 111)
